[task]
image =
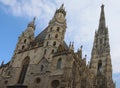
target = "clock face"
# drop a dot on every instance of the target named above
(60, 17)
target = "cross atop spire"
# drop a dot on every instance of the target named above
(102, 24)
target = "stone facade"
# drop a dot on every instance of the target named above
(46, 61)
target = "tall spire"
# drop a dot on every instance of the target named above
(100, 56)
(102, 18)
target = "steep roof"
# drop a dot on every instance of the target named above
(41, 37)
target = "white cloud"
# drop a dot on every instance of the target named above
(82, 20)
(29, 8)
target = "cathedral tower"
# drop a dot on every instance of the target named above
(55, 32)
(100, 57)
(26, 37)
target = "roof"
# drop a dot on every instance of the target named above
(41, 36)
(39, 39)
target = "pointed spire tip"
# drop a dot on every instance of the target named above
(34, 19)
(62, 6)
(102, 6)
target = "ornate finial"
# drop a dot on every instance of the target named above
(2, 63)
(85, 56)
(72, 44)
(31, 24)
(34, 19)
(62, 6)
(69, 44)
(61, 10)
(81, 47)
(102, 23)
(102, 6)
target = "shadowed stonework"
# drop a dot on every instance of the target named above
(17, 86)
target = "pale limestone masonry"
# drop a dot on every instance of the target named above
(46, 61)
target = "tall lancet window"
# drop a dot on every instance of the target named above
(24, 68)
(100, 66)
(59, 63)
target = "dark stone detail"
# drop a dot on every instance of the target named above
(37, 80)
(62, 50)
(100, 81)
(17, 86)
(61, 10)
(55, 83)
(61, 53)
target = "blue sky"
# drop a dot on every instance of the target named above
(82, 21)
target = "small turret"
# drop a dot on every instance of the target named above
(32, 24)
(26, 37)
(61, 10)
(71, 46)
(80, 52)
(29, 32)
(2, 63)
(59, 16)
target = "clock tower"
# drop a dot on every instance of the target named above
(55, 32)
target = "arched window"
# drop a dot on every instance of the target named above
(56, 36)
(47, 43)
(45, 51)
(42, 67)
(49, 36)
(37, 80)
(6, 82)
(59, 63)
(25, 41)
(23, 47)
(52, 51)
(58, 29)
(24, 66)
(51, 28)
(54, 43)
(55, 83)
(99, 65)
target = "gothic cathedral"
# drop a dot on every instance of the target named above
(46, 61)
